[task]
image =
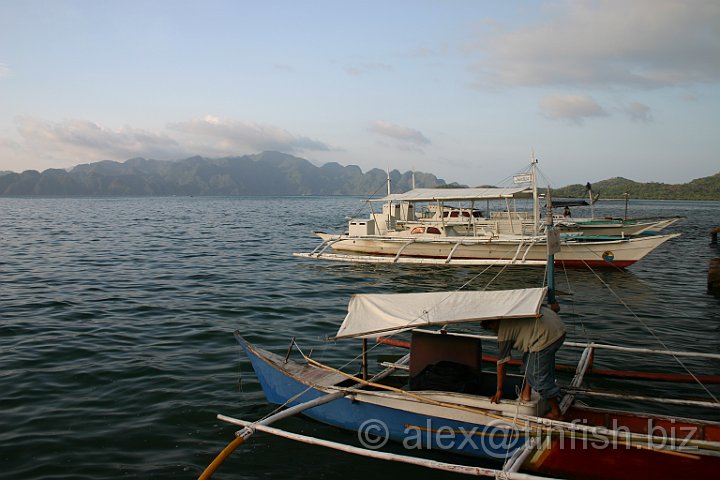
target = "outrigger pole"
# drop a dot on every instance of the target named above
(249, 430)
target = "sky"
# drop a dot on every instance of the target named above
(466, 90)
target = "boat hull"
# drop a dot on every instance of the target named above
(617, 253)
(380, 416)
(628, 463)
(620, 461)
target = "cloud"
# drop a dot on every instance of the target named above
(357, 70)
(571, 108)
(227, 136)
(638, 112)
(4, 70)
(282, 68)
(71, 142)
(81, 140)
(405, 138)
(607, 43)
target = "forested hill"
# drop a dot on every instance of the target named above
(267, 173)
(706, 188)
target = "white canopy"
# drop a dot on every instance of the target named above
(455, 194)
(372, 315)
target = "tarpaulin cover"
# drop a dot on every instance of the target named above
(372, 315)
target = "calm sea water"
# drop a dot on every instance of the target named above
(116, 321)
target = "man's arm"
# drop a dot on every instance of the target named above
(500, 379)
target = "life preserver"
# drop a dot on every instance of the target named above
(608, 256)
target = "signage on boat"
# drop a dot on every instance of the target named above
(524, 178)
(608, 256)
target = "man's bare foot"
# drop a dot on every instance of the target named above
(525, 394)
(554, 415)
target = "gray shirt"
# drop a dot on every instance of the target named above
(529, 334)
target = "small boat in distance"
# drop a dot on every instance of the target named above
(425, 226)
(609, 225)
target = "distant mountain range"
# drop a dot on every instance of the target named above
(267, 173)
(706, 188)
(275, 173)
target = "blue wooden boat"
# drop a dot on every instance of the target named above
(452, 421)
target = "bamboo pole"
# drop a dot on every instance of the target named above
(244, 434)
(249, 429)
(433, 464)
(669, 401)
(604, 346)
(365, 375)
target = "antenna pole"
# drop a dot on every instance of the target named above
(536, 206)
(553, 246)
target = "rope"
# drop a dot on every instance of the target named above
(652, 333)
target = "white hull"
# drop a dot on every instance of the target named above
(619, 252)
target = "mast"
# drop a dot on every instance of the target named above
(536, 206)
(592, 206)
(388, 208)
(626, 195)
(553, 246)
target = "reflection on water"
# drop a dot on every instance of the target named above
(118, 313)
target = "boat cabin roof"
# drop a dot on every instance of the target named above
(373, 315)
(569, 202)
(456, 194)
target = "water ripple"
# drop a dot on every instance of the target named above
(116, 346)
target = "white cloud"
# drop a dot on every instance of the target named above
(404, 135)
(221, 137)
(282, 68)
(364, 68)
(47, 144)
(570, 108)
(81, 140)
(639, 112)
(608, 43)
(4, 70)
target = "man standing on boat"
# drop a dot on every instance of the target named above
(538, 339)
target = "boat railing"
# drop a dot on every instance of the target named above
(582, 368)
(320, 249)
(604, 346)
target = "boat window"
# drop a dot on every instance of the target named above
(434, 230)
(454, 214)
(417, 230)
